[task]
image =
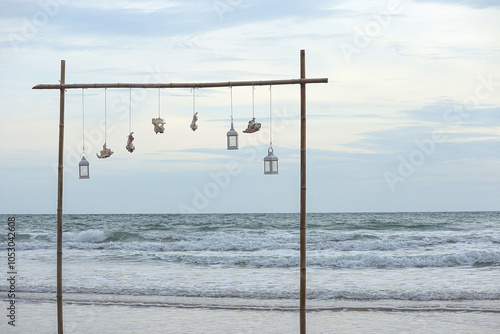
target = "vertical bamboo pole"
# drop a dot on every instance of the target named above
(59, 202)
(302, 194)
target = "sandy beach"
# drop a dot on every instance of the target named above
(80, 318)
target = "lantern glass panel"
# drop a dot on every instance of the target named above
(267, 166)
(270, 163)
(274, 166)
(84, 171)
(233, 141)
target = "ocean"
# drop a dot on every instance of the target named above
(239, 273)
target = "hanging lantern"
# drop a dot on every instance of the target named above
(83, 165)
(232, 135)
(270, 163)
(232, 138)
(83, 168)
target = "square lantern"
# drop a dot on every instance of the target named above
(232, 138)
(83, 168)
(270, 163)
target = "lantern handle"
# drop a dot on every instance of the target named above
(270, 150)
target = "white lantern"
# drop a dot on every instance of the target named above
(232, 135)
(83, 168)
(270, 163)
(232, 138)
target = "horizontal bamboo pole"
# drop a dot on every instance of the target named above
(184, 85)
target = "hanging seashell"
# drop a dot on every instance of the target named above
(158, 124)
(130, 147)
(193, 125)
(105, 152)
(252, 126)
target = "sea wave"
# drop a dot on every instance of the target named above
(467, 259)
(256, 241)
(275, 293)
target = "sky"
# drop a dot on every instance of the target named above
(408, 121)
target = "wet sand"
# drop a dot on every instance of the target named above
(40, 317)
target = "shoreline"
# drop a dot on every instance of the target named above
(280, 305)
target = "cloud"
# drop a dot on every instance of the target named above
(468, 3)
(472, 137)
(448, 113)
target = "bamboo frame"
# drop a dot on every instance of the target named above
(302, 82)
(302, 194)
(184, 85)
(59, 201)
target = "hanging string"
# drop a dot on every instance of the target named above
(193, 125)
(270, 118)
(193, 89)
(159, 108)
(231, 93)
(253, 101)
(105, 105)
(83, 120)
(130, 110)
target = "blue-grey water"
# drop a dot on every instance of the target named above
(432, 262)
